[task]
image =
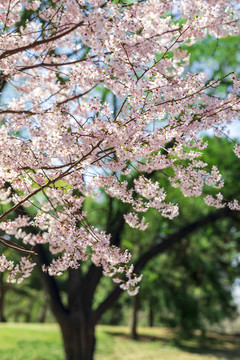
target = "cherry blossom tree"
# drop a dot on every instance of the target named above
(61, 141)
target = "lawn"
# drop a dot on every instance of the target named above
(43, 342)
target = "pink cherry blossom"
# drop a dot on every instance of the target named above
(60, 138)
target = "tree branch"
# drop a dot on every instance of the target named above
(50, 284)
(178, 236)
(10, 52)
(115, 225)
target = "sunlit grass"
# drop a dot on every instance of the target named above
(30, 342)
(43, 342)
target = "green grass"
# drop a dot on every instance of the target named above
(30, 342)
(43, 342)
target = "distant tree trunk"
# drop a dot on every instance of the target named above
(2, 294)
(150, 315)
(134, 334)
(43, 312)
(28, 316)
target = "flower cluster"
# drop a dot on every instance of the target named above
(21, 271)
(5, 265)
(133, 221)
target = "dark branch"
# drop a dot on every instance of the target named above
(50, 284)
(178, 236)
(115, 225)
(158, 249)
(10, 52)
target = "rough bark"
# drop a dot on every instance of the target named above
(76, 318)
(78, 337)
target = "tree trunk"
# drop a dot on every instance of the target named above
(134, 334)
(76, 319)
(150, 318)
(2, 293)
(28, 316)
(78, 339)
(43, 313)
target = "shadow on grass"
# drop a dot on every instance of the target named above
(227, 354)
(215, 344)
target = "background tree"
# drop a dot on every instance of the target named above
(191, 283)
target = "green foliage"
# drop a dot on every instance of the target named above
(217, 57)
(189, 286)
(192, 288)
(25, 301)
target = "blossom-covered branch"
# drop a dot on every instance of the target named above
(62, 140)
